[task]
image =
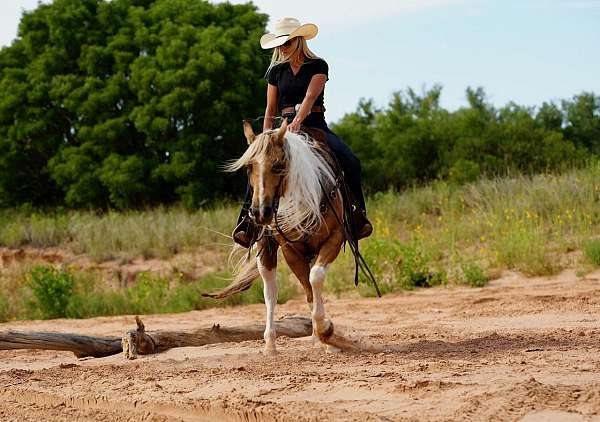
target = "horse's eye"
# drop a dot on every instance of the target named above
(278, 168)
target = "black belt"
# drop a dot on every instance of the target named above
(286, 111)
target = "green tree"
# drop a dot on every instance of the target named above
(414, 140)
(408, 139)
(550, 117)
(473, 139)
(357, 129)
(583, 121)
(127, 102)
(527, 148)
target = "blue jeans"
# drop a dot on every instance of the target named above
(348, 161)
(350, 165)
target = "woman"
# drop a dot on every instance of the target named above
(296, 86)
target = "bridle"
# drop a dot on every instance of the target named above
(276, 226)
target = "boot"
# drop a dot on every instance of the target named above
(364, 228)
(243, 234)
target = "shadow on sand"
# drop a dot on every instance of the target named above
(489, 344)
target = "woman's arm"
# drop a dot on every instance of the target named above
(271, 109)
(315, 88)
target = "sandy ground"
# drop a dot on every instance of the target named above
(189, 266)
(519, 349)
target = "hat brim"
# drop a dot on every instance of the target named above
(308, 31)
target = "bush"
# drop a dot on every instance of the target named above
(474, 275)
(399, 266)
(52, 291)
(60, 293)
(464, 171)
(415, 267)
(413, 140)
(149, 294)
(381, 255)
(592, 252)
(4, 313)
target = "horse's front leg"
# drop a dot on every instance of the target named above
(327, 254)
(267, 267)
(301, 269)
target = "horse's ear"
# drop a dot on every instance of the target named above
(249, 132)
(282, 130)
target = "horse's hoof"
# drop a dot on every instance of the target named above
(333, 349)
(325, 334)
(270, 351)
(316, 343)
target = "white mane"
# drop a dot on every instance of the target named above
(308, 172)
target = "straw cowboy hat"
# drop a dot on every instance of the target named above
(286, 29)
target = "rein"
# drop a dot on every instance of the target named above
(275, 209)
(359, 261)
(345, 223)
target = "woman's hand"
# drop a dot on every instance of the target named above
(315, 88)
(295, 125)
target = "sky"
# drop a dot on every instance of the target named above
(526, 51)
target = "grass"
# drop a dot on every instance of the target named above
(441, 233)
(592, 252)
(535, 225)
(474, 275)
(159, 232)
(48, 292)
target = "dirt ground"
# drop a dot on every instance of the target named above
(189, 266)
(519, 349)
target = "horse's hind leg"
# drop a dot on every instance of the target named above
(267, 267)
(329, 251)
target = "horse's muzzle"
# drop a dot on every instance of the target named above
(263, 215)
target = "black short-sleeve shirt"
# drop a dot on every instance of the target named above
(291, 89)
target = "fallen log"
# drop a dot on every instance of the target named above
(81, 346)
(139, 341)
(144, 343)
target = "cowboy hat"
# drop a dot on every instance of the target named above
(285, 29)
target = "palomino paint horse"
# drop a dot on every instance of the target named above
(297, 202)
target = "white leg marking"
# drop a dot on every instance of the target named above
(270, 293)
(317, 279)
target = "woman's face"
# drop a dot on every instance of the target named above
(289, 47)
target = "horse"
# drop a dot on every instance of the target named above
(297, 202)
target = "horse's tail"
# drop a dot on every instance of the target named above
(242, 281)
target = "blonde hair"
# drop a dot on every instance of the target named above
(299, 47)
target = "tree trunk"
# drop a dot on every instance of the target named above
(82, 346)
(139, 341)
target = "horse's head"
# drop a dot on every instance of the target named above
(267, 164)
